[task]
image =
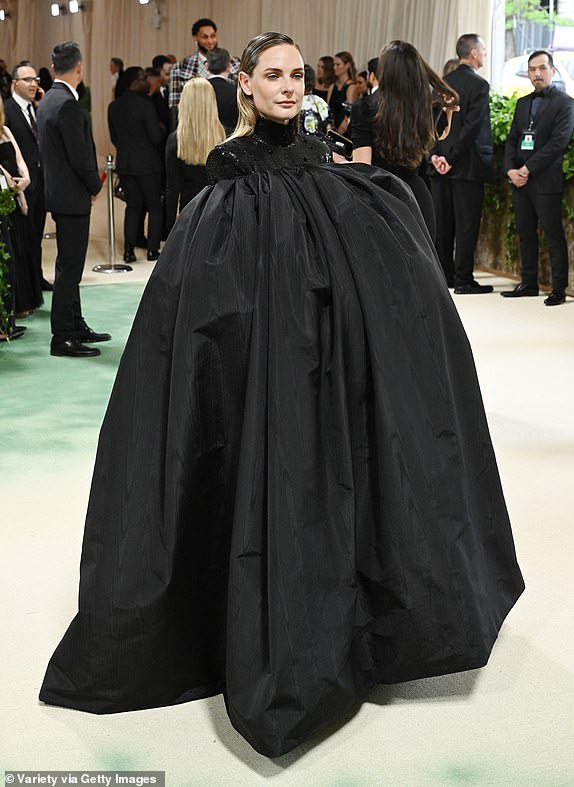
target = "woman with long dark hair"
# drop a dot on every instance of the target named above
(295, 495)
(362, 84)
(395, 127)
(325, 78)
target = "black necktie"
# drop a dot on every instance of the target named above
(33, 124)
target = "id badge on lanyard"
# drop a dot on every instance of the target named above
(528, 138)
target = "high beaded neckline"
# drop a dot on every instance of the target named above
(276, 133)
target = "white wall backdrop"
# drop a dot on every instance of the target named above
(123, 28)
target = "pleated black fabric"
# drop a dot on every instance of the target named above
(295, 495)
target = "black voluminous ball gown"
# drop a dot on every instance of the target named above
(295, 495)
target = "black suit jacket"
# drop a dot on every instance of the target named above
(554, 124)
(226, 96)
(67, 153)
(136, 132)
(161, 105)
(468, 147)
(27, 143)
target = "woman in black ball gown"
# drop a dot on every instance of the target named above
(295, 495)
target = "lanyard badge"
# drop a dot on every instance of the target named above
(527, 139)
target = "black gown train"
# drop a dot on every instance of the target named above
(295, 495)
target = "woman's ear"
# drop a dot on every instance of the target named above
(245, 83)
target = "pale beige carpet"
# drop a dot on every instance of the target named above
(510, 724)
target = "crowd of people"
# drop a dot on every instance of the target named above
(398, 114)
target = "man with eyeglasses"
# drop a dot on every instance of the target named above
(20, 111)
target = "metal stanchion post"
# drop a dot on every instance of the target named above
(111, 267)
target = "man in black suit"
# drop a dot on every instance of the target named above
(541, 130)
(137, 134)
(462, 163)
(219, 65)
(160, 97)
(160, 91)
(20, 112)
(71, 184)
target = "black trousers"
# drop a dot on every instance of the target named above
(530, 209)
(458, 208)
(37, 217)
(143, 193)
(72, 233)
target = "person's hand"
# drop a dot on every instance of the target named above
(19, 184)
(440, 164)
(93, 198)
(518, 177)
(40, 93)
(450, 102)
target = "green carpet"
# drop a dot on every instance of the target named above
(56, 405)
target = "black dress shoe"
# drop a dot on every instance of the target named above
(46, 286)
(129, 254)
(555, 298)
(474, 288)
(20, 328)
(521, 291)
(72, 348)
(152, 255)
(85, 334)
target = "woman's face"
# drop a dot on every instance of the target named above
(320, 70)
(277, 83)
(340, 67)
(362, 85)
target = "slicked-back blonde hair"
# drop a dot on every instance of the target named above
(198, 126)
(248, 114)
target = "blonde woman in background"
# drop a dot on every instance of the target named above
(198, 132)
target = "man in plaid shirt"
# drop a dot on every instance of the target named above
(204, 32)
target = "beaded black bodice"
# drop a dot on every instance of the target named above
(272, 146)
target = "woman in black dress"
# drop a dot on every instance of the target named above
(344, 91)
(198, 131)
(325, 78)
(395, 127)
(295, 495)
(26, 273)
